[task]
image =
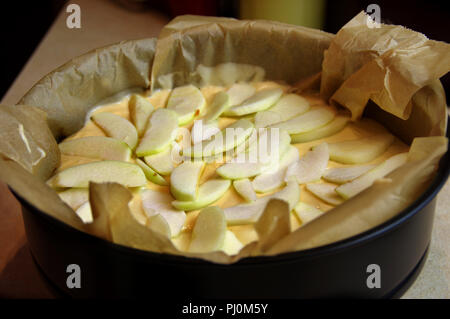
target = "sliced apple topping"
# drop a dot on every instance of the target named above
(325, 192)
(311, 166)
(260, 101)
(208, 193)
(140, 109)
(333, 127)
(159, 224)
(209, 231)
(154, 203)
(250, 213)
(184, 180)
(187, 101)
(74, 197)
(201, 131)
(225, 140)
(244, 188)
(316, 117)
(218, 105)
(362, 150)
(286, 108)
(124, 173)
(261, 156)
(364, 181)
(340, 175)
(161, 162)
(306, 213)
(239, 92)
(85, 213)
(231, 244)
(161, 132)
(269, 181)
(151, 175)
(117, 127)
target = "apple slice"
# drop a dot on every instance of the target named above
(313, 119)
(340, 175)
(333, 127)
(85, 213)
(151, 175)
(231, 244)
(208, 193)
(364, 181)
(325, 192)
(209, 231)
(155, 202)
(159, 224)
(269, 181)
(311, 166)
(127, 174)
(250, 213)
(239, 92)
(117, 127)
(218, 105)
(201, 131)
(306, 213)
(161, 162)
(286, 108)
(187, 101)
(245, 188)
(362, 150)
(261, 156)
(140, 109)
(162, 130)
(74, 197)
(101, 147)
(260, 101)
(184, 180)
(228, 138)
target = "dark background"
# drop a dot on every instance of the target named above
(24, 23)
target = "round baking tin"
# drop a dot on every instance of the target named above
(338, 270)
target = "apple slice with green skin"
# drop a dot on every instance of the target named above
(208, 193)
(336, 125)
(209, 231)
(201, 131)
(311, 166)
(250, 213)
(162, 130)
(218, 105)
(325, 192)
(341, 175)
(127, 174)
(101, 147)
(362, 150)
(151, 175)
(155, 202)
(251, 163)
(159, 224)
(366, 180)
(140, 109)
(85, 213)
(117, 127)
(231, 244)
(287, 107)
(184, 180)
(260, 101)
(228, 138)
(313, 119)
(187, 101)
(269, 181)
(161, 162)
(306, 213)
(245, 188)
(239, 92)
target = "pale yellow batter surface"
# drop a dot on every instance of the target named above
(245, 233)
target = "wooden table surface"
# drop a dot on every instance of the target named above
(103, 23)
